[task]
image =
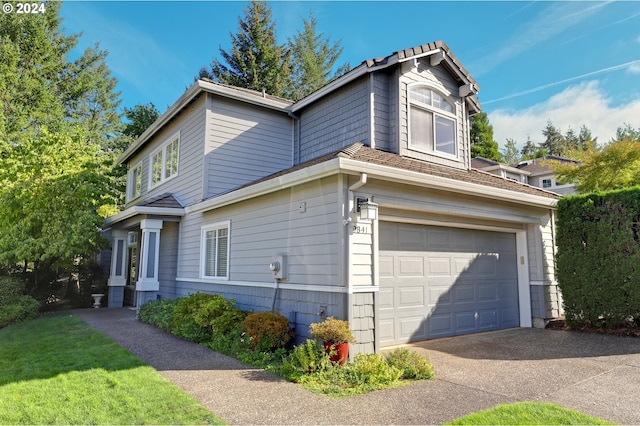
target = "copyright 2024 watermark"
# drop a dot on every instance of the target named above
(24, 8)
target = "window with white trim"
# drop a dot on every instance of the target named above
(432, 121)
(163, 164)
(214, 255)
(135, 181)
(547, 183)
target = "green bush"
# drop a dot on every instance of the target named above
(305, 358)
(158, 313)
(195, 317)
(268, 330)
(10, 287)
(598, 239)
(412, 365)
(367, 372)
(15, 306)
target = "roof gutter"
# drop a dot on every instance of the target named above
(366, 171)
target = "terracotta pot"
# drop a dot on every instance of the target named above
(341, 352)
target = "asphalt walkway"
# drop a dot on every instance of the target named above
(598, 375)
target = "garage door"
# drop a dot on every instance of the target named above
(438, 282)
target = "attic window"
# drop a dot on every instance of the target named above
(432, 122)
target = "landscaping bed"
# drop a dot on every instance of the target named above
(626, 331)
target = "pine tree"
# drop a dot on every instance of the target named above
(313, 58)
(554, 143)
(510, 154)
(255, 60)
(482, 143)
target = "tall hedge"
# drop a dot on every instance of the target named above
(598, 260)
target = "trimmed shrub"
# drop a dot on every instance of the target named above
(158, 313)
(10, 287)
(194, 317)
(14, 306)
(412, 365)
(598, 239)
(268, 330)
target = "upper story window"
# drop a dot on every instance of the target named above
(547, 183)
(164, 162)
(432, 121)
(214, 254)
(135, 181)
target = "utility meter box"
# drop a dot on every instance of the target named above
(279, 267)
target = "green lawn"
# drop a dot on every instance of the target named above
(529, 413)
(58, 370)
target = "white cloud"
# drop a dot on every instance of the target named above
(581, 104)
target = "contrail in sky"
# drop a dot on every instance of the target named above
(566, 80)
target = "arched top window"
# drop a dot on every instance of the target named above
(432, 121)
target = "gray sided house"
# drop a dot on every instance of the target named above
(358, 201)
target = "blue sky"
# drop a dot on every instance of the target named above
(571, 62)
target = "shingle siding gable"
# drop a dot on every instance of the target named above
(337, 120)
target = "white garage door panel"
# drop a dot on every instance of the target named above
(437, 282)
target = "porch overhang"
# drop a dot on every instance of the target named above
(142, 211)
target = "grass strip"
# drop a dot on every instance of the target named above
(58, 370)
(529, 413)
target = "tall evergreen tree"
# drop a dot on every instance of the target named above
(530, 150)
(255, 60)
(140, 117)
(58, 124)
(554, 143)
(312, 60)
(482, 142)
(510, 154)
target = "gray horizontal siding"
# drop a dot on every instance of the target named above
(337, 120)
(244, 143)
(187, 186)
(272, 225)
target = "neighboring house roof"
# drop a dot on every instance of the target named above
(486, 164)
(438, 50)
(358, 158)
(537, 166)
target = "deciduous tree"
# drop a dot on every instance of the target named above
(615, 166)
(58, 130)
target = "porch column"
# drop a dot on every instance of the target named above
(148, 285)
(118, 275)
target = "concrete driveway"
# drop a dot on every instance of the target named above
(598, 375)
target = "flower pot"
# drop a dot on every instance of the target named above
(340, 352)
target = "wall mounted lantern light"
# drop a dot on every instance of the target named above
(367, 209)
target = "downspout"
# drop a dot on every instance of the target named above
(276, 288)
(359, 184)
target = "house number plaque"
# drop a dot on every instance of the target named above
(360, 229)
